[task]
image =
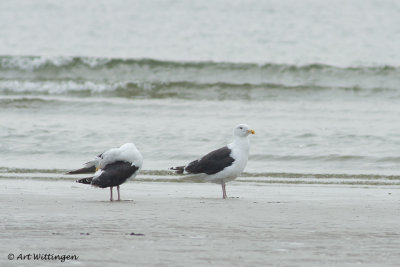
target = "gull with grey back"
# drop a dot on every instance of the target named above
(112, 168)
(222, 165)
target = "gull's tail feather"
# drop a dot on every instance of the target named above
(178, 170)
(87, 180)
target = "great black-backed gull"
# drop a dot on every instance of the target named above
(112, 168)
(222, 165)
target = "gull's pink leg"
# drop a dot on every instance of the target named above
(111, 198)
(223, 191)
(119, 197)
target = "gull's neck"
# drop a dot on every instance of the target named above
(241, 143)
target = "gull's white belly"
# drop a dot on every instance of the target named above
(229, 173)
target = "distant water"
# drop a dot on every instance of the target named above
(322, 91)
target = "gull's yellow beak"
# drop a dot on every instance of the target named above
(98, 168)
(251, 131)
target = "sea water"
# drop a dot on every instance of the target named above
(318, 81)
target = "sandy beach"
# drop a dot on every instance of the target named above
(186, 224)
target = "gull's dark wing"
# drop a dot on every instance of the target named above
(211, 163)
(114, 174)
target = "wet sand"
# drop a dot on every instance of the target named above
(185, 224)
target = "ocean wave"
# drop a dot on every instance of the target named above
(244, 174)
(108, 70)
(41, 62)
(148, 78)
(267, 177)
(180, 90)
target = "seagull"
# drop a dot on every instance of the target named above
(222, 165)
(112, 168)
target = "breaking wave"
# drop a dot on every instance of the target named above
(150, 78)
(37, 63)
(267, 178)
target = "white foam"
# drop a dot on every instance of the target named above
(32, 63)
(57, 87)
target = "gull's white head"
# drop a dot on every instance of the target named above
(128, 146)
(242, 130)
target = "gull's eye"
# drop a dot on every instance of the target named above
(240, 128)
